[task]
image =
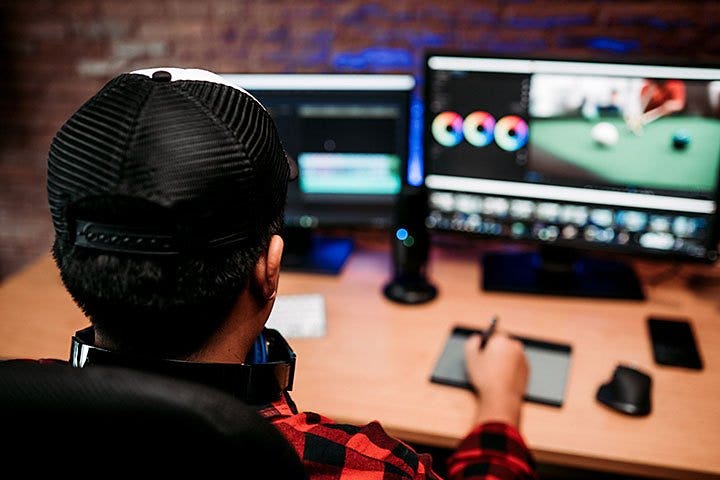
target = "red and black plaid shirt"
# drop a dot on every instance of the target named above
(333, 451)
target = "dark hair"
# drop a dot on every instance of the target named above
(160, 306)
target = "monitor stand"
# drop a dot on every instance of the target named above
(306, 251)
(558, 271)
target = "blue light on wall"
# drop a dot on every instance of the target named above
(375, 58)
(613, 45)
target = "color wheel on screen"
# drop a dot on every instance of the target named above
(478, 128)
(511, 133)
(447, 129)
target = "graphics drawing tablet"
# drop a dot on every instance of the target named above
(549, 365)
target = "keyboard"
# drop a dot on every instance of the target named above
(299, 315)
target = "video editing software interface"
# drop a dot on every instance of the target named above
(613, 156)
(349, 137)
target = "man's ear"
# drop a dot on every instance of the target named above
(267, 269)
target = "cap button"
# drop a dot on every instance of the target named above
(161, 76)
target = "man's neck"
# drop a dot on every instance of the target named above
(233, 340)
(230, 343)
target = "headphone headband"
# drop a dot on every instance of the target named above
(258, 383)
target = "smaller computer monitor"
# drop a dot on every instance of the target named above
(348, 134)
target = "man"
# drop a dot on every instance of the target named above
(167, 191)
(658, 98)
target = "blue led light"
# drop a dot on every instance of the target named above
(401, 234)
(415, 162)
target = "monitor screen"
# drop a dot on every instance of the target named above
(349, 134)
(613, 156)
(349, 137)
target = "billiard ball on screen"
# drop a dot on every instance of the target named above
(680, 140)
(605, 134)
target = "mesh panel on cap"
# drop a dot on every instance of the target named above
(87, 153)
(255, 130)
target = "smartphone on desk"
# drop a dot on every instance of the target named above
(549, 366)
(673, 342)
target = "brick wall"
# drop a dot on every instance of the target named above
(55, 54)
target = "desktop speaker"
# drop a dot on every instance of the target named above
(410, 249)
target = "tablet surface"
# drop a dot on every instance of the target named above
(549, 366)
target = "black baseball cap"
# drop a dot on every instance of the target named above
(167, 160)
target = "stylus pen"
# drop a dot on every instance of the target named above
(488, 332)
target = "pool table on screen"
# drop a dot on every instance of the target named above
(648, 160)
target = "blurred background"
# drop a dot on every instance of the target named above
(56, 54)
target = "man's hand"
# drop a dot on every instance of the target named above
(499, 374)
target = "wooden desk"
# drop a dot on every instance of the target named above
(377, 357)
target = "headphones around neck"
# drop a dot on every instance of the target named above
(258, 352)
(268, 370)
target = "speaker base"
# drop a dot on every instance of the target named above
(410, 291)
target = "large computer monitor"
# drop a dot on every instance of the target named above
(349, 136)
(573, 156)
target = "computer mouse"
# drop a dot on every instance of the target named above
(628, 391)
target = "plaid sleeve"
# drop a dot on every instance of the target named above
(334, 451)
(492, 450)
